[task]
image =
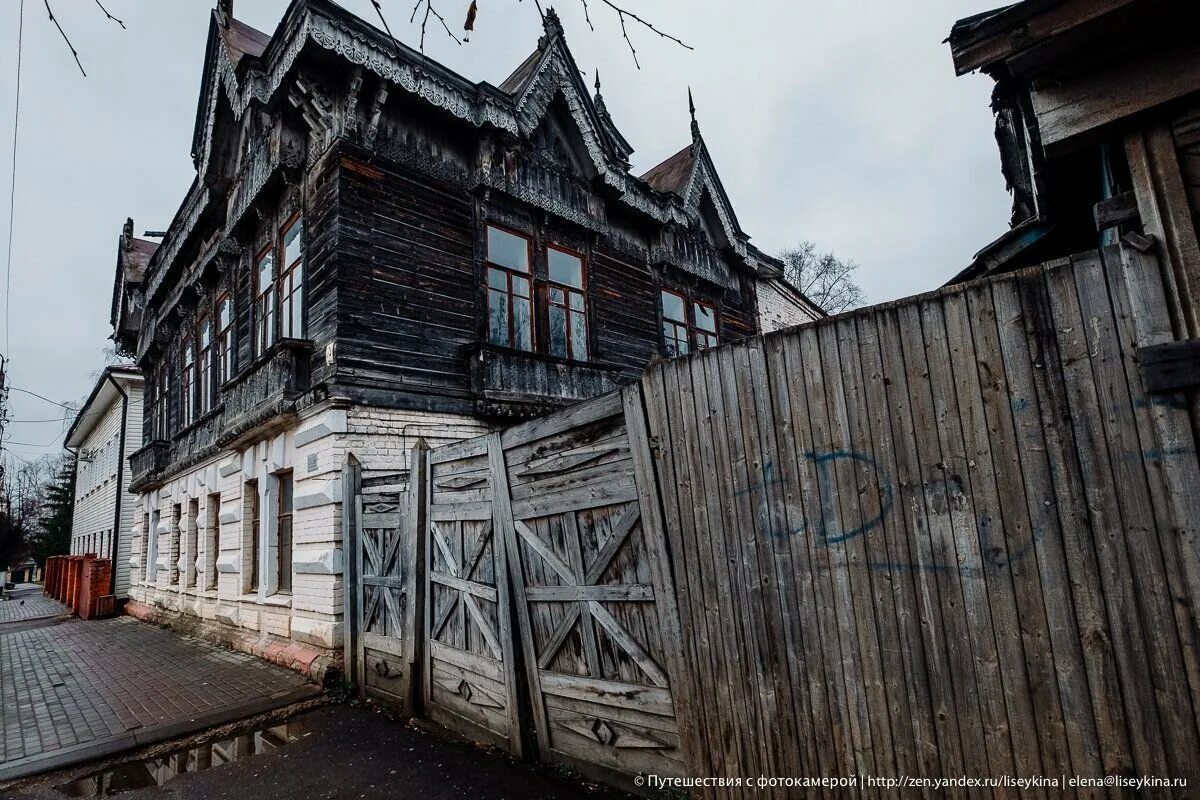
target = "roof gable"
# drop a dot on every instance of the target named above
(549, 73)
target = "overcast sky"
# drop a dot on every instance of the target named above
(839, 122)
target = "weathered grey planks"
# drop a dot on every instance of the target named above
(951, 535)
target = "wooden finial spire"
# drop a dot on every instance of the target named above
(692, 111)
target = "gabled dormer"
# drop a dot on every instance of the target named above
(133, 256)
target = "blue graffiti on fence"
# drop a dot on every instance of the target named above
(824, 524)
(827, 525)
(828, 461)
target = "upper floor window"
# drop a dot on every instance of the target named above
(205, 388)
(684, 332)
(264, 302)
(566, 305)
(187, 398)
(161, 408)
(675, 327)
(705, 318)
(291, 281)
(510, 301)
(224, 343)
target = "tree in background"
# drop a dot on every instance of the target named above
(53, 536)
(21, 499)
(824, 278)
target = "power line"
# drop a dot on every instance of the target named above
(42, 397)
(12, 193)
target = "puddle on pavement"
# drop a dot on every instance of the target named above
(163, 769)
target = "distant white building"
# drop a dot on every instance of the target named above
(107, 429)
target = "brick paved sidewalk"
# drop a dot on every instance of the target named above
(78, 690)
(26, 603)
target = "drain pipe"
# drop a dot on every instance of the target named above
(116, 534)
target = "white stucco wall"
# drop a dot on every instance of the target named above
(315, 451)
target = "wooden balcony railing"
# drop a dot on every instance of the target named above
(149, 460)
(514, 383)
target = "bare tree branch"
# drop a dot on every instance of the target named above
(110, 16)
(64, 36)
(823, 278)
(624, 15)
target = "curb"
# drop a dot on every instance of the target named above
(99, 748)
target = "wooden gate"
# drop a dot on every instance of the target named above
(469, 665)
(382, 516)
(592, 602)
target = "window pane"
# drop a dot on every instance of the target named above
(497, 280)
(265, 267)
(558, 332)
(224, 312)
(522, 327)
(576, 301)
(285, 494)
(673, 307)
(706, 317)
(298, 311)
(565, 268)
(498, 317)
(578, 336)
(269, 314)
(293, 243)
(520, 286)
(557, 296)
(508, 250)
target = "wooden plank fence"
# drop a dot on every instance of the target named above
(947, 536)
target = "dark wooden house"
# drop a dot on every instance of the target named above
(376, 249)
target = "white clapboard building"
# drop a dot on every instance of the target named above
(107, 429)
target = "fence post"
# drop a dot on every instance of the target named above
(413, 564)
(352, 574)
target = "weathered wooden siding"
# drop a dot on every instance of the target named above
(946, 536)
(624, 298)
(407, 299)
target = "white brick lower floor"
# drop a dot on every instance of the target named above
(200, 558)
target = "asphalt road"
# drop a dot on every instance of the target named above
(355, 752)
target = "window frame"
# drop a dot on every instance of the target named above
(159, 408)
(549, 303)
(289, 272)
(251, 487)
(265, 327)
(711, 338)
(678, 324)
(688, 325)
(187, 381)
(285, 507)
(224, 346)
(205, 389)
(190, 578)
(212, 543)
(509, 273)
